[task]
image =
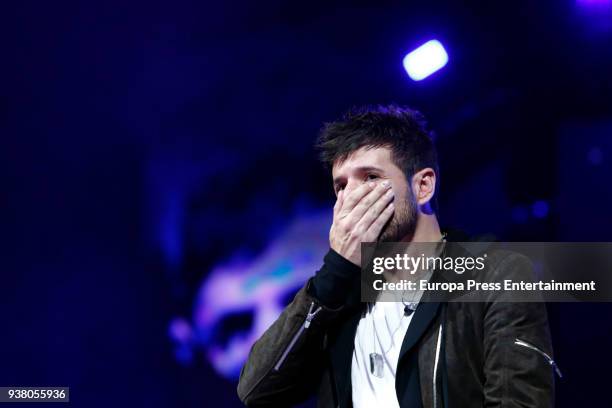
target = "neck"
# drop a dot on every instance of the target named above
(427, 229)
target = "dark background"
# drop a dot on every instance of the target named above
(145, 142)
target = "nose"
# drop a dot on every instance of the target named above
(353, 183)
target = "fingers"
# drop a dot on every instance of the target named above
(339, 201)
(368, 201)
(354, 197)
(376, 227)
(374, 211)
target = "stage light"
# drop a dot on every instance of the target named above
(425, 60)
(540, 209)
(595, 156)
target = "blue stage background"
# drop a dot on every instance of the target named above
(156, 152)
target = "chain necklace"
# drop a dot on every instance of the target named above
(376, 359)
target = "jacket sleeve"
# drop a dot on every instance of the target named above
(519, 370)
(286, 364)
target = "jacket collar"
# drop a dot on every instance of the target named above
(341, 350)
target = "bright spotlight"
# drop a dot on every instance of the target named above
(425, 60)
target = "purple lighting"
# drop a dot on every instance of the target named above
(596, 3)
(425, 60)
(598, 14)
(257, 287)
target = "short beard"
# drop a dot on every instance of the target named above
(403, 222)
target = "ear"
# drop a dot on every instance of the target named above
(424, 186)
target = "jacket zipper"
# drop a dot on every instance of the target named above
(549, 359)
(435, 371)
(309, 316)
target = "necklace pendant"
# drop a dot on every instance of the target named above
(376, 365)
(410, 308)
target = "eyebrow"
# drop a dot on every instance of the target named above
(363, 169)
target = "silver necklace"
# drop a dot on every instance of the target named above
(411, 306)
(376, 359)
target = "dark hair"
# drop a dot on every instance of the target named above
(401, 129)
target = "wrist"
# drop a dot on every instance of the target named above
(334, 282)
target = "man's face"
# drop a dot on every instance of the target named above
(375, 165)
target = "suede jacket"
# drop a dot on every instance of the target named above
(492, 353)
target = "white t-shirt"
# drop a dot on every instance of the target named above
(381, 330)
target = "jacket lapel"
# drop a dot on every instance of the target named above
(423, 316)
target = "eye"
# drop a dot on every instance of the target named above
(371, 176)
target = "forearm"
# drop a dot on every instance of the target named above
(286, 363)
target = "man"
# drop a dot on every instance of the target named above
(446, 354)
